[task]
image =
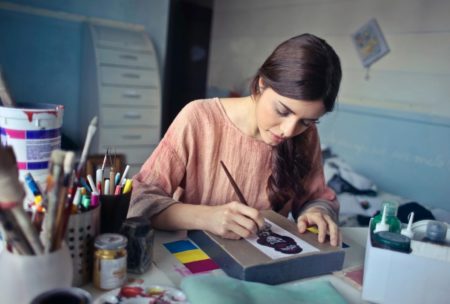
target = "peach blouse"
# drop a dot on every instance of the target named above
(189, 157)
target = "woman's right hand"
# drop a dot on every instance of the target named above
(233, 220)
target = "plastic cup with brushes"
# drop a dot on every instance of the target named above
(27, 261)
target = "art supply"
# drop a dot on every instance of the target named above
(128, 186)
(112, 176)
(12, 190)
(110, 261)
(124, 175)
(107, 187)
(382, 225)
(234, 185)
(92, 184)
(140, 237)
(394, 223)
(392, 241)
(5, 97)
(99, 176)
(397, 277)
(237, 190)
(32, 185)
(241, 259)
(408, 231)
(55, 191)
(18, 230)
(436, 232)
(192, 257)
(33, 131)
(87, 143)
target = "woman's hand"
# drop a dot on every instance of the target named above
(324, 223)
(234, 220)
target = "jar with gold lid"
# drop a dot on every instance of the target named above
(110, 261)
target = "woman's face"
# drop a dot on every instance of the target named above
(279, 118)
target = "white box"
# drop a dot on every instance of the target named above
(396, 277)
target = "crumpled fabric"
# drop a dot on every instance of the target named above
(341, 178)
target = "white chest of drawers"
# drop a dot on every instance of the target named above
(121, 85)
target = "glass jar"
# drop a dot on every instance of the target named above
(110, 261)
(140, 237)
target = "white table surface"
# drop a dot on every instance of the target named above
(168, 271)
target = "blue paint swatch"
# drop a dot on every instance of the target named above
(180, 246)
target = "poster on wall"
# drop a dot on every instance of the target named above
(370, 43)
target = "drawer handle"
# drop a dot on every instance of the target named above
(129, 57)
(132, 137)
(132, 115)
(131, 94)
(131, 75)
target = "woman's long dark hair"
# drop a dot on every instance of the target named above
(306, 68)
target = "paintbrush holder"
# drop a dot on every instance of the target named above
(114, 209)
(23, 277)
(81, 232)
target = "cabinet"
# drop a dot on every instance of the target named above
(121, 85)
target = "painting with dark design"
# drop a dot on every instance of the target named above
(281, 243)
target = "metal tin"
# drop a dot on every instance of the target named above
(110, 261)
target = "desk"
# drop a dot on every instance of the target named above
(167, 270)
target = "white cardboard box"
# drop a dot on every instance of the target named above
(396, 277)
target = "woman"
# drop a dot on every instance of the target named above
(268, 141)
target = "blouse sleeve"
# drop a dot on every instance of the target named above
(164, 170)
(319, 195)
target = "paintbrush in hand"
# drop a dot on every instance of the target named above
(237, 190)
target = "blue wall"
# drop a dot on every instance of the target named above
(407, 154)
(41, 56)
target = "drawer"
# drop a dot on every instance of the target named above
(121, 38)
(111, 116)
(129, 77)
(130, 96)
(116, 137)
(126, 58)
(136, 155)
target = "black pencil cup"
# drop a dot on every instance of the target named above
(113, 212)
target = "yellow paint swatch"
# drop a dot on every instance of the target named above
(191, 256)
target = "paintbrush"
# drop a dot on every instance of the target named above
(55, 182)
(11, 188)
(66, 200)
(237, 190)
(4, 94)
(16, 224)
(87, 143)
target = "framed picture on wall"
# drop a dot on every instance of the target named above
(370, 43)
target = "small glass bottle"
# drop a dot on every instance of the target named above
(391, 217)
(110, 261)
(140, 237)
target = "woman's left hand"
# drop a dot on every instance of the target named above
(324, 223)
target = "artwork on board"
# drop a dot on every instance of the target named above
(370, 43)
(277, 243)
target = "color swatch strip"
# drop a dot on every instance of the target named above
(195, 259)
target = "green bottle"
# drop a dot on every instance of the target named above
(390, 207)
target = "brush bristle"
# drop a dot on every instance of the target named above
(57, 157)
(69, 161)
